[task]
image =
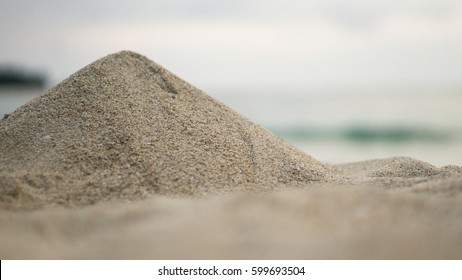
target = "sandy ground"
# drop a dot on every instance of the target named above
(366, 218)
(124, 160)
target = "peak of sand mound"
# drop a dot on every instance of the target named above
(123, 127)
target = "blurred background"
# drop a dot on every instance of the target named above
(344, 80)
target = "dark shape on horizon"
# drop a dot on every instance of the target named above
(15, 77)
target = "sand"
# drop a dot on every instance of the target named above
(124, 128)
(123, 159)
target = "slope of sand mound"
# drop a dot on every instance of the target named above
(124, 127)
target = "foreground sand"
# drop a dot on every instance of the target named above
(420, 221)
(125, 160)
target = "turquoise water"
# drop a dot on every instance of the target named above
(337, 126)
(345, 125)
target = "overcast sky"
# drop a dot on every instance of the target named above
(260, 43)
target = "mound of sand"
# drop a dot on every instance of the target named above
(399, 173)
(403, 167)
(123, 127)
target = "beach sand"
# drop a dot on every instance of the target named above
(125, 160)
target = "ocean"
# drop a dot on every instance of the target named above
(347, 125)
(342, 125)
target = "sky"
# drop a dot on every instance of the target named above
(245, 44)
